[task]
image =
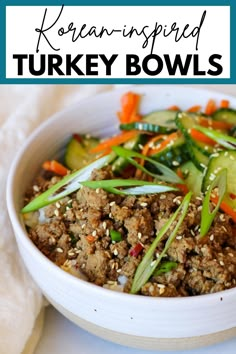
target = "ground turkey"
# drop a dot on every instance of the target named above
(76, 234)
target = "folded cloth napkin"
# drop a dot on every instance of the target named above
(22, 109)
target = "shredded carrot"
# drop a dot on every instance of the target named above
(146, 149)
(171, 137)
(173, 108)
(56, 167)
(224, 104)
(113, 141)
(194, 109)
(90, 238)
(210, 107)
(129, 108)
(225, 207)
(208, 122)
(197, 135)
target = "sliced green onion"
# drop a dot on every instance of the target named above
(165, 267)
(144, 187)
(222, 139)
(166, 174)
(66, 186)
(207, 216)
(115, 236)
(148, 264)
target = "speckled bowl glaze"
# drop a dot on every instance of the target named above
(131, 320)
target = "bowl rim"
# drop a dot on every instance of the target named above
(17, 223)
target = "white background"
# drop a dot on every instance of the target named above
(21, 37)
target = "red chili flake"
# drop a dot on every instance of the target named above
(136, 250)
(77, 137)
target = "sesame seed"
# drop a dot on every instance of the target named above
(36, 188)
(94, 233)
(83, 265)
(175, 163)
(143, 204)
(224, 228)
(69, 201)
(157, 254)
(110, 215)
(140, 146)
(222, 263)
(118, 270)
(231, 157)
(56, 212)
(112, 203)
(107, 232)
(83, 226)
(211, 237)
(199, 208)
(231, 254)
(153, 263)
(226, 153)
(222, 217)
(161, 286)
(71, 253)
(162, 196)
(179, 237)
(139, 235)
(115, 252)
(104, 225)
(58, 205)
(199, 198)
(161, 291)
(151, 288)
(97, 190)
(59, 250)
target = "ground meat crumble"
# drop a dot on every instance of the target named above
(75, 234)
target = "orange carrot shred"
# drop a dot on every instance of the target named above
(215, 124)
(197, 135)
(113, 141)
(90, 238)
(56, 167)
(129, 107)
(210, 107)
(164, 143)
(173, 108)
(225, 207)
(224, 104)
(194, 109)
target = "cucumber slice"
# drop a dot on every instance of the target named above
(174, 154)
(192, 177)
(227, 160)
(77, 153)
(198, 151)
(163, 118)
(147, 127)
(227, 115)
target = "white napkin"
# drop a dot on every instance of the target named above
(22, 109)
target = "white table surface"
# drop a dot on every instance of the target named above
(61, 336)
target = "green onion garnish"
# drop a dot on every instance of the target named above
(66, 186)
(222, 139)
(165, 267)
(115, 236)
(148, 264)
(207, 216)
(166, 174)
(137, 186)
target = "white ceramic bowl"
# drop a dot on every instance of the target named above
(132, 320)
